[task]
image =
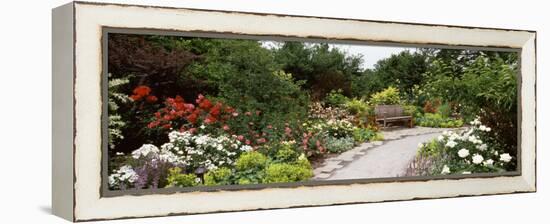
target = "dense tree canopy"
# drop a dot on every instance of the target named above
(323, 68)
(403, 70)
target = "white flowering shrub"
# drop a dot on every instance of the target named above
(203, 150)
(123, 178)
(148, 166)
(468, 151)
(115, 97)
(339, 128)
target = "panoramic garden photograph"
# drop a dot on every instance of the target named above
(193, 111)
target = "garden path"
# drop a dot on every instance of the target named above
(388, 158)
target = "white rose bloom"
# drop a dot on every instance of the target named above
(466, 172)
(482, 147)
(440, 138)
(453, 137)
(476, 122)
(451, 144)
(477, 159)
(463, 153)
(246, 148)
(420, 145)
(472, 139)
(482, 127)
(202, 126)
(505, 157)
(488, 162)
(445, 170)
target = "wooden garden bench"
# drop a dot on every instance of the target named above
(392, 113)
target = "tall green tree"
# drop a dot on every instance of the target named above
(322, 67)
(403, 70)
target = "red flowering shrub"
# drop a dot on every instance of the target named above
(141, 92)
(206, 116)
(178, 114)
(151, 99)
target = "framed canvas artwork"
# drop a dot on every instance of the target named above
(158, 110)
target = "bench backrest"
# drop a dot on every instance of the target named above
(388, 110)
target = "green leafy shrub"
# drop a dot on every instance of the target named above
(388, 96)
(336, 99)
(363, 134)
(431, 148)
(178, 179)
(250, 168)
(284, 172)
(286, 153)
(356, 106)
(438, 121)
(336, 145)
(303, 162)
(257, 92)
(378, 137)
(445, 110)
(411, 110)
(251, 161)
(220, 176)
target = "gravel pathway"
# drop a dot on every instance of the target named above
(388, 158)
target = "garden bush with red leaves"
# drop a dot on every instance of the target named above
(214, 117)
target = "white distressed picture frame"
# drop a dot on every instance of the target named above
(77, 110)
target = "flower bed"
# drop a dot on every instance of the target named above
(229, 146)
(473, 150)
(223, 160)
